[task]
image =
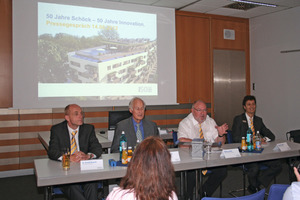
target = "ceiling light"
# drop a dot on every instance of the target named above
(256, 3)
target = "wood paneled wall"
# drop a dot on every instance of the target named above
(197, 35)
(6, 54)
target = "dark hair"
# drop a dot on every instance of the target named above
(150, 173)
(247, 98)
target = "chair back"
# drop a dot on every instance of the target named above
(276, 191)
(260, 195)
(293, 135)
(175, 139)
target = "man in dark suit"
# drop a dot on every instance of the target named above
(241, 124)
(130, 126)
(86, 146)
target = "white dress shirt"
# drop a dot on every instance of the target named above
(189, 128)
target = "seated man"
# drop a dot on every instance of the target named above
(135, 127)
(241, 124)
(199, 125)
(85, 146)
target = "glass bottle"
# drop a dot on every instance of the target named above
(123, 143)
(129, 153)
(249, 140)
(258, 141)
(124, 156)
(243, 145)
(136, 145)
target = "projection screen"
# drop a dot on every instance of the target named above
(93, 53)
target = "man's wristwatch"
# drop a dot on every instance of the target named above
(220, 135)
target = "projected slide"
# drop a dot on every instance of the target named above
(96, 53)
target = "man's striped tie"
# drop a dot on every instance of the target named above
(252, 126)
(73, 143)
(200, 132)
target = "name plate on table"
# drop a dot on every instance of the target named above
(91, 164)
(282, 147)
(230, 153)
(175, 156)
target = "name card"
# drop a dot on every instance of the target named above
(175, 156)
(282, 147)
(230, 153)
(91, 164)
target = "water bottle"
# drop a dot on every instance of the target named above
(123, 144)
(249, 140)
(137, 144)
(258, 141)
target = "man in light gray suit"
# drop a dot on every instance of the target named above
(130, 126)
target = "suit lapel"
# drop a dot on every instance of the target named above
(80, 135)
(131, 127)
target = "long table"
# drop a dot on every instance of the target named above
(49, 172)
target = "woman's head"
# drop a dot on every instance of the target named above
(150, 172)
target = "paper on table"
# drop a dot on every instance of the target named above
(230, 153)
(175, 156)
(91, 164)
(282, 147)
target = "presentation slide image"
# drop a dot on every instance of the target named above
(93, 45)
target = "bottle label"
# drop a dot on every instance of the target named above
(124, 157)
(258, 145)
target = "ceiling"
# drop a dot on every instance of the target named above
(217, 6)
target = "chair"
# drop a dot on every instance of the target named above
(55, 191)
(175, 139)
(293, 136)
(276, 191)
(263, 167)
(260, 195)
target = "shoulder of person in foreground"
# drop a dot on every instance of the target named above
(120, 194)
(292, 192)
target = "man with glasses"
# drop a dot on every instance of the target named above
(81, 140)
(199, 125)
(136, 128)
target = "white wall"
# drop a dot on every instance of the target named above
(276, 75)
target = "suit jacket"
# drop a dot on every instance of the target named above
(126, 125)
(240, 127)
(60, 139)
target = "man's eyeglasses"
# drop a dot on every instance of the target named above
(200, 110)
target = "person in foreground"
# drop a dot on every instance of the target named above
(293, 191)
(81, 140)
(135, 127)
(199, 125)
(150, 174)
(241, 124)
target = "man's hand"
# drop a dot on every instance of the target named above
(78, 156)
(222, 129)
